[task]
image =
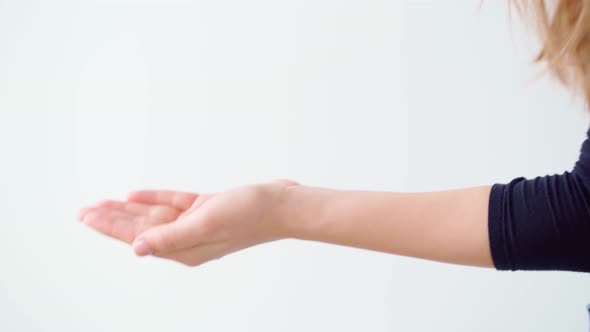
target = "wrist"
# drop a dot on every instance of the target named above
(302, 210)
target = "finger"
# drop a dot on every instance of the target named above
(163, 212)
(106, 212)
(118, 224)
(197, 255)
(169, 237)
(178, 199)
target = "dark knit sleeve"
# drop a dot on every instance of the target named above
(543, 223)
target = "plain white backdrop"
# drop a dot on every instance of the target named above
(101, 97)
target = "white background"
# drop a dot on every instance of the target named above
(101, 97)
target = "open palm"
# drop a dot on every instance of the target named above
(188, 227)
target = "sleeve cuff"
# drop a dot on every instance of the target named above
(497, 227)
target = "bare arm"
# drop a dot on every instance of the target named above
(191, 228)
(541, 223)
(447, 226)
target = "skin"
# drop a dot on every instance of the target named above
(191, 228)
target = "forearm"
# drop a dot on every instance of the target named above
(448, 226)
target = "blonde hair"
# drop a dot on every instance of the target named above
(565, 39)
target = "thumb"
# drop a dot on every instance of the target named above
(172, 236)
(166, 238)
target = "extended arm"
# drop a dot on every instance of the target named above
(526, 224)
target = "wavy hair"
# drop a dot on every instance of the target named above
(565, 39)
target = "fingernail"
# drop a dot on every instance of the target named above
(141, 248)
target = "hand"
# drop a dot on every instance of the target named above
(192, 228)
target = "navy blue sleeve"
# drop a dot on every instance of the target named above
(543, 223)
